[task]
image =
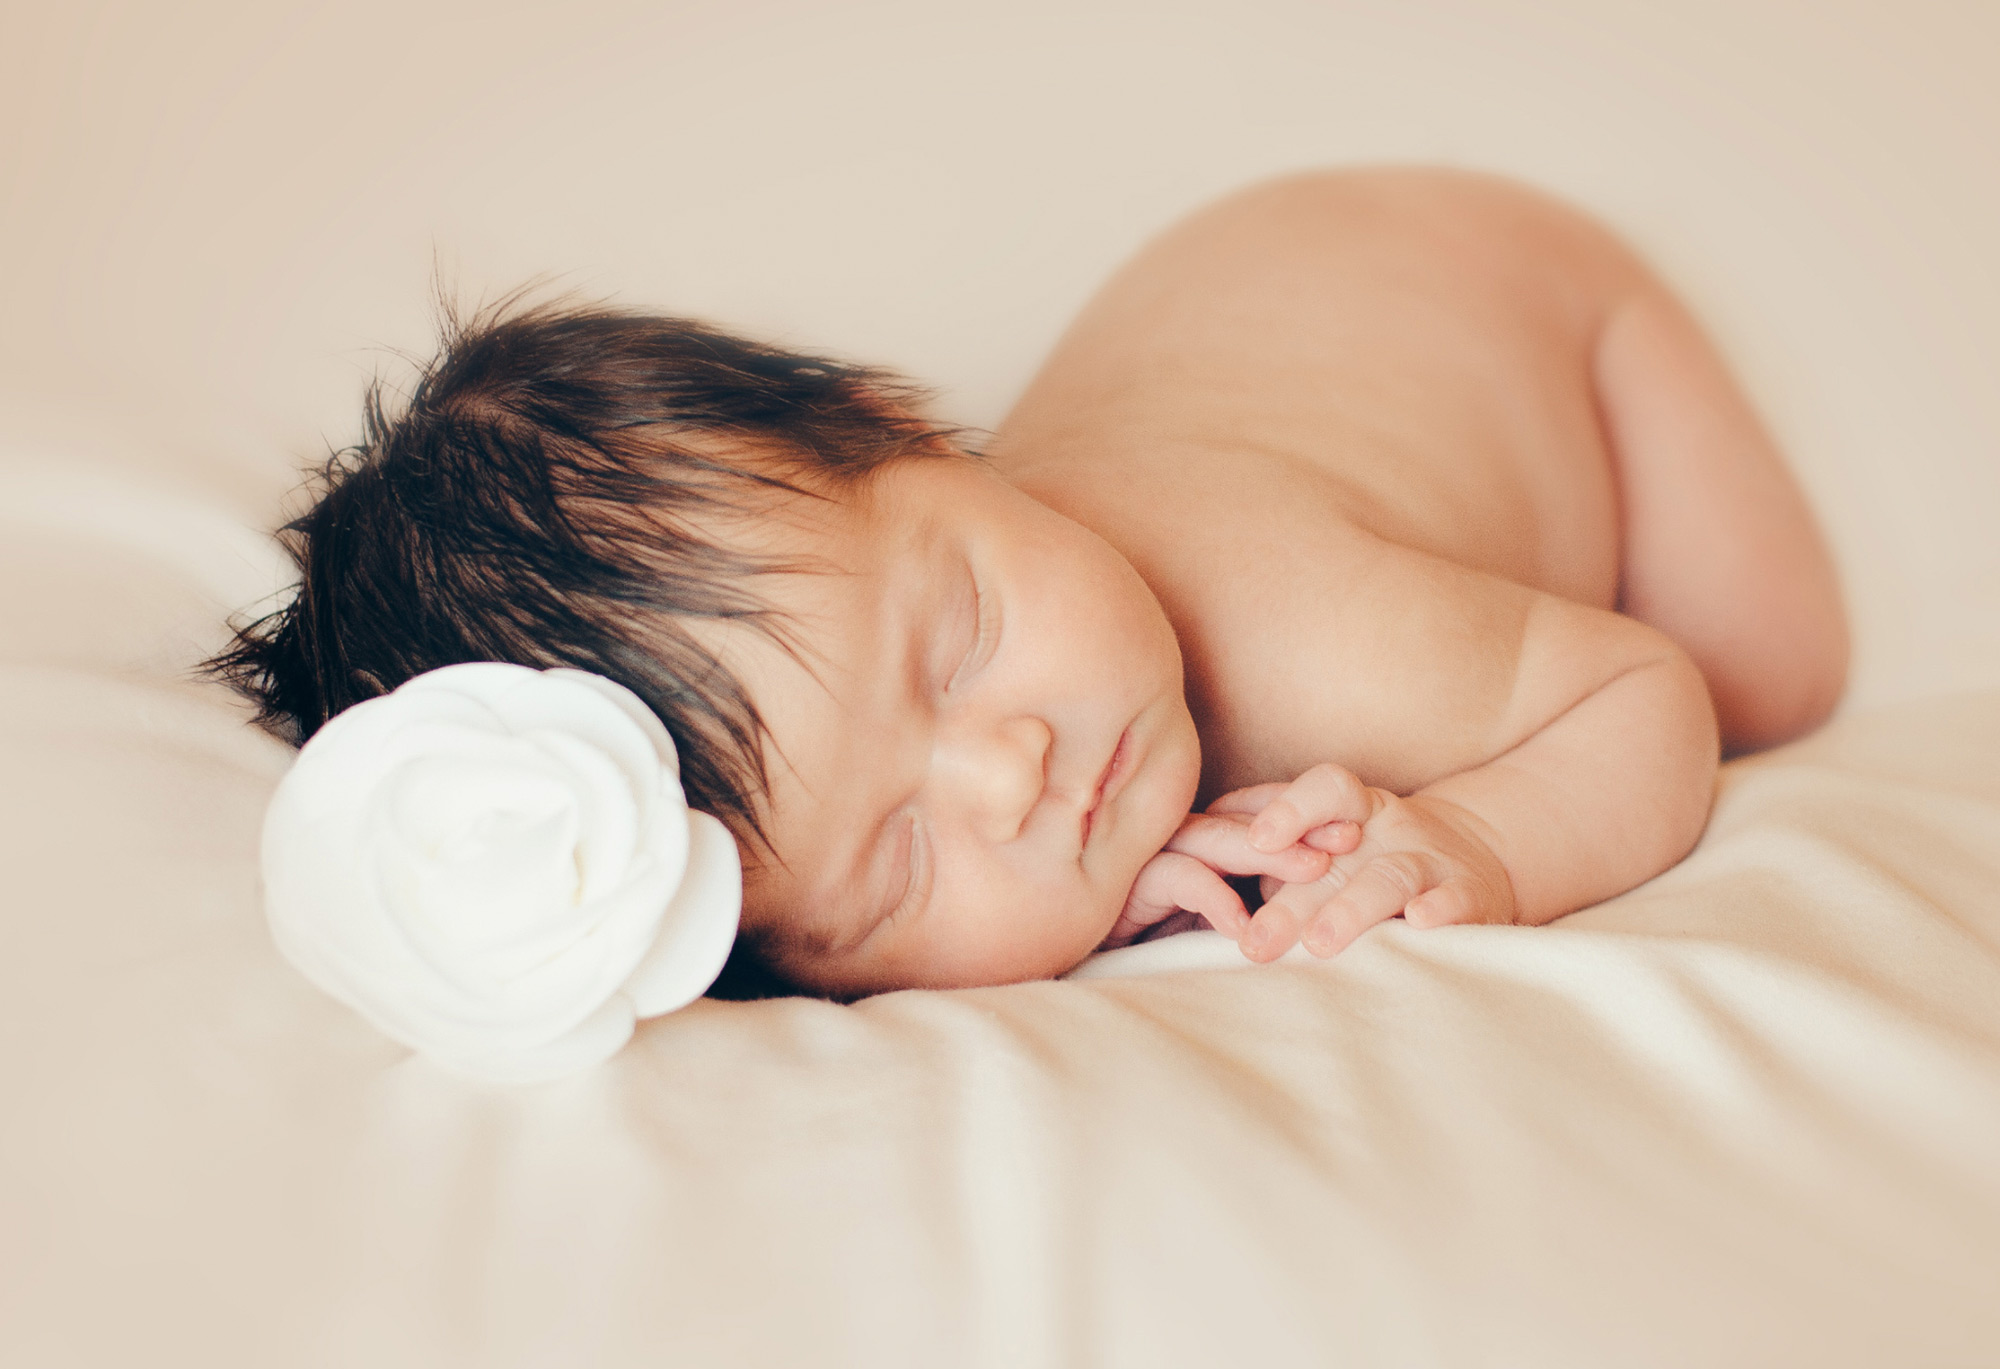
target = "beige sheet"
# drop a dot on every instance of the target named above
(1749, 1113)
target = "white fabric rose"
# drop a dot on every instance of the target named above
(497, 867)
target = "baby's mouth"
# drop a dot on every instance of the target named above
(1114, 775)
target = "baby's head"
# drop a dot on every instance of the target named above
(904, 684)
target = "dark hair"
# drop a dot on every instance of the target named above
(538, 500)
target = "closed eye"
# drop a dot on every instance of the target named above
(985, 633)
(915, 870)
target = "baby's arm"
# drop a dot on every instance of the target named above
(1596, 746)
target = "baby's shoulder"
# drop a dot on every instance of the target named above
(1425, 207)
(1353, 242)
(1332, 299)
(1400, 348)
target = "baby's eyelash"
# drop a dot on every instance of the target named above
(914, 885)
(986, 631)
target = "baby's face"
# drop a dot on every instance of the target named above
(982, 739)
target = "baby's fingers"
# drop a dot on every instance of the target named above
(1223, 843)
(1250, 801)
(1272, 930)
(1327, 797)
(1170, 883)
(1459, 901)
(1379, 891)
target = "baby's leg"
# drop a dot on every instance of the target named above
(1720, 550)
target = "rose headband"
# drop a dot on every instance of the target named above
(497, 867)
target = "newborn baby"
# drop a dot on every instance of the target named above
(1376, 543)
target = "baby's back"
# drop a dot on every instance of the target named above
(1410, 350)
(1307, 371)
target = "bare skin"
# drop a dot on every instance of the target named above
(1472, 555)
(1443, 488)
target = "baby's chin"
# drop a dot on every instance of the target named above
(1106, 920)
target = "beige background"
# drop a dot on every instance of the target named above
(218, 214)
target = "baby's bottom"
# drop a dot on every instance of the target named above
(1720, 550)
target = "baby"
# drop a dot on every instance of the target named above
(1389, 542)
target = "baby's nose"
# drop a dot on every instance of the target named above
(996, 772)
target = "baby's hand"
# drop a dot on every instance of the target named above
(1185, 881)
(1425, 858)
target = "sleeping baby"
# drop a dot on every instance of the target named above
(1376, 544)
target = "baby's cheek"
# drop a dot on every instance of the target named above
(1066, 928)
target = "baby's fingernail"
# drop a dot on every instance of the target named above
(1339, 836)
